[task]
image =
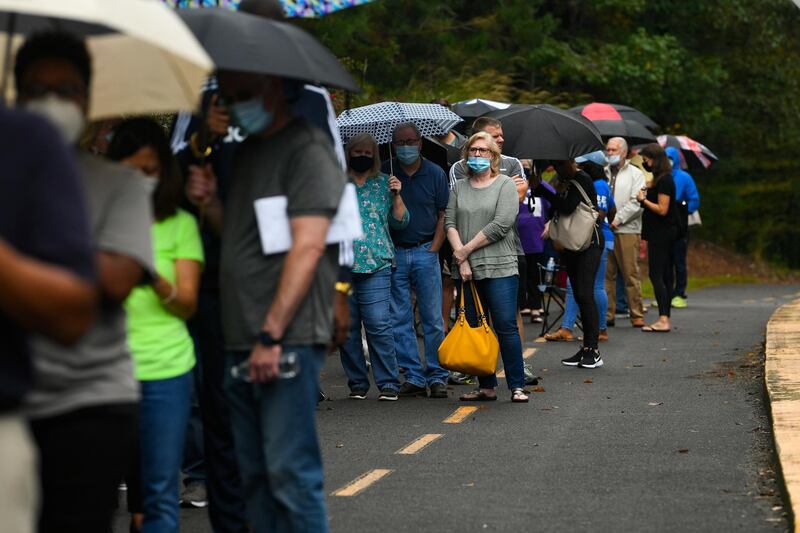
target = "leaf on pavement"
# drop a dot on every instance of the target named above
(538, 389)
(588, 381)
(683, 450)
(654, 404)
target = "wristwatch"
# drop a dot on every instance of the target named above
(265, 339)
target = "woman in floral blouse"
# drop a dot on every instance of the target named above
(381, 207)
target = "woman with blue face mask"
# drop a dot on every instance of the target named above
(479, 222)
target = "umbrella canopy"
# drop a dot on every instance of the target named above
(689, 148)
(599, 111)
(144, 59)
(469, 109)
(443, 155)
(379, 120)
(293, 8)
(546, 132)
(248, 43)
(633, 132)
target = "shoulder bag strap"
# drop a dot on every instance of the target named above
(583, 193)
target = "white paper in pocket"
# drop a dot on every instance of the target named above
(273, 222)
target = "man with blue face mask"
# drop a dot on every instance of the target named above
(277, 304)
(425, 194)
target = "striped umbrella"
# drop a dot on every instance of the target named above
(379, 120)
(293, 8)
(688, 147)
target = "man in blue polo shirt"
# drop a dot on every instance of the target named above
(425, 193)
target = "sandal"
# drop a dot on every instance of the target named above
(477, 396)
(652, 329)
(519, 396)
(562, 335)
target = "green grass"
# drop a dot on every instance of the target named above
(702, 282)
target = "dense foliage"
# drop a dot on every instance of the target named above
(726, 72)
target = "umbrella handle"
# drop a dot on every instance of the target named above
(12, 24)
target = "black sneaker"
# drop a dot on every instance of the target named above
(408, 390)
(438, 390)
(387, 395)
(591, 359)
(358, 394)
(575, 360)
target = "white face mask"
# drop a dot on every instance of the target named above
(613, 160)
(150, 184)
(65, 115)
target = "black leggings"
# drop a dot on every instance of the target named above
(582, 269)
(659, 261)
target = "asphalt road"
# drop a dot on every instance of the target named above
(671, 435)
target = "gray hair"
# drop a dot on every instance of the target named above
(623, 144)
(406, 126)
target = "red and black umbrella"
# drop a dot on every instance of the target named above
(689, 148)
(597, 111)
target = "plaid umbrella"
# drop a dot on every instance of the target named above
(688, 146)
(293, 8)
(379, 120)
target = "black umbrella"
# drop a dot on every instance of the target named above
(633, 132)
(248, 43)
(599, 111)
(546, 132)
(471, 109)
(443, 155)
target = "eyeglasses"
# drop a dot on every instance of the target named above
(406, 142)
(479, 151)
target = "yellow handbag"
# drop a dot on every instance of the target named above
(471, 351)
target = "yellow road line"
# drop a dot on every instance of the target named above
(419, 444)
(459, 415)
(502, 373)
(528, 353)
(362, 482)
(540, 340)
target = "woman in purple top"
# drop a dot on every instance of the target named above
(533, 214)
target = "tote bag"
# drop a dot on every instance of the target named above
(574, 231)
(471, 351)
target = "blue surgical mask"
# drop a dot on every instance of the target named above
(407, 155)
(479, 164)
(613, 160)
(251, 116)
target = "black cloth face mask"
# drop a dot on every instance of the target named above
(361, 163)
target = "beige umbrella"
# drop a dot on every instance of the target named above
(144, 58)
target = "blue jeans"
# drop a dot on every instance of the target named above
(275, 433)
(600, 297)
(622, 300)
(499, 299)
(419, 269)
(370, 304)
(164, 415)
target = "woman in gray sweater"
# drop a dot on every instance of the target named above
(479, 223)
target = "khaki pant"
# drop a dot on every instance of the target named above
(625, 258)
(19, 483)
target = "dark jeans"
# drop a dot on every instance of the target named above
(83, 456)
(659, 261)
(194, 466)
(499, 300)
(226, 509)
(581, 270)
(275, 430)
(677, 285)
(622, 300)
(532, 262)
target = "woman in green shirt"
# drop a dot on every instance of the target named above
(380, 207)
(479, 222)
(163, 351)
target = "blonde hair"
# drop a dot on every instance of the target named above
(482, 135)
(367, 139)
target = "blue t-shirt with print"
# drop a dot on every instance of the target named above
(605, 202)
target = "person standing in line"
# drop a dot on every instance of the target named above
(424, 192)
(625, 181)
(688, 202)
(480, 218)
(84, 406)
(48, 287)
(593, 164)
(659, 229)
(581, 266)
(381, 207)
(163, 351)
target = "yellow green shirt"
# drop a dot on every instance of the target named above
(160, 341)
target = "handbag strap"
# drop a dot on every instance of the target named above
(478, 305)
(583, 193)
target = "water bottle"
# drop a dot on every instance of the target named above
(549, 272)
(288, 367)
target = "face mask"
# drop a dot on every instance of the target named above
(251, 116)
(65, 115)
(478, 164)
(613, 160)
(361, 163)
(647, 166)
(150, 184)
(407, 155)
